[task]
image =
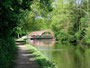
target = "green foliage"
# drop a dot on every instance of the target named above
(87, 36)
(70, 21)
(37, 18)
(7, 52)
(41, 59)
(16, 18)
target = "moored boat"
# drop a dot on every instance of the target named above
(46, 36)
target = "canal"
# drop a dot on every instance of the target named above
(64, 56)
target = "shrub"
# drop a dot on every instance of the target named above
(7, 51)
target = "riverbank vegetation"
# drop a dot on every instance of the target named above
(69, 20)
(13, 19)
(43, 61)
(40, 58)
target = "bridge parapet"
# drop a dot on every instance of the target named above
(40, 33)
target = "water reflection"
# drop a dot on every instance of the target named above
(65, 56)
(41, 43)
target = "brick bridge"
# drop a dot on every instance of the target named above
(40, 32)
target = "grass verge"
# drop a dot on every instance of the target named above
(40, 58)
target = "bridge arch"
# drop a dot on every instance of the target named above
(41, 33)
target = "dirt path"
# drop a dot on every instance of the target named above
(24, 58)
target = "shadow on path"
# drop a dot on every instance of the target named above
(24, 58)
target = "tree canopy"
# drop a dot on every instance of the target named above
(69, 20)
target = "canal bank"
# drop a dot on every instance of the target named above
(64, 56)
(40, 58)
(29, 57)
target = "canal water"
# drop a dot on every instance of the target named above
(64, 56)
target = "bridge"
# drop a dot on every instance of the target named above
(40, 33)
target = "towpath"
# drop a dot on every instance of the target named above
(24, 58)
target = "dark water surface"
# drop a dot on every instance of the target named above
(65, 56)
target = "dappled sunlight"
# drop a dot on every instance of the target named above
(58, 29)
(25, 58)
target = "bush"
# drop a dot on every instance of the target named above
(87, 36)
(7, 51)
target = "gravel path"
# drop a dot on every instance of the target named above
(24, 58)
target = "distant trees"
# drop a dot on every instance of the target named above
(37, 17)
(70, 21)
